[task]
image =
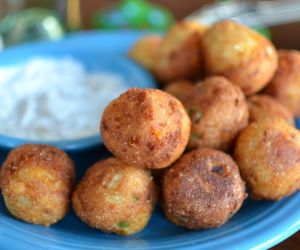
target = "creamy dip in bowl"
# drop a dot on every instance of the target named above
(56, 94)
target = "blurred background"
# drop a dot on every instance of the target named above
(28, 20)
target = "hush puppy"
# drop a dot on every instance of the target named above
(239, 53)
(145, 51)
(218, 111)
(203, 189)
(146, 128)
(264, 106)
(285, 86)
(180, 89)
(268, 154)
(115, 197)
(180, 53)
(36, 182)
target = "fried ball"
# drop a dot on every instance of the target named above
(180, 89)
(36, 182)
(263, 106)
(146, 128)
(285, 86)
(180, 53)
(203, 189)
(218, 111)
(245, 57)
(268, 154)
(145, 51)
(115, 197)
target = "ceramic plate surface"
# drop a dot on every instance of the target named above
(258, 224)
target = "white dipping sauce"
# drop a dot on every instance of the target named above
(54, 99)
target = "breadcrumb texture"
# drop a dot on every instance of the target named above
(266, 107)
(146, 51)
(239, 53)
(285, 85)
(203, 189)
(268, 154)
(146, 128)
(180, 53)
(36, 182)
(218, 111)
(115, 197)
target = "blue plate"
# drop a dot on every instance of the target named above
(258, 224)
(97, 52)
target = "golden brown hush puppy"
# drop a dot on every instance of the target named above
(180, 89)
(180, 53)
(203, 189)
(218, 111)
(36, 182)
(268, 154)
(146, 128)
(285, 86)
(264, 106)
(115, 197)
(239, 53)
(145, 51)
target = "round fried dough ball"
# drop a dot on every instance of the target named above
(285, 86)
(115, 197)
(268, 154)
(180, 53)
(203, 189)
(145, 51)
(264, 106)
(239, 53)
(146, 128)
(36, 182)
(218, 111)
(180, 89)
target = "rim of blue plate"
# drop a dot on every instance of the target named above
(261, 232)
(74, 43)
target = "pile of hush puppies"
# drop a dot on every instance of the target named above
(224, 122)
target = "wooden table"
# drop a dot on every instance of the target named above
(293, 243)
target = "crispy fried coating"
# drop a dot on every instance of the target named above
(180, 89)
(264, 106)
(285, 85)
(36, 182)
(146, 50)
(115, 197)
(203, 189)
(180, 53)
(239, 53)
(218, 111)
(268, 154)
(146, 128)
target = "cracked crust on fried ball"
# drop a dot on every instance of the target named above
(146, 128)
